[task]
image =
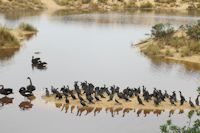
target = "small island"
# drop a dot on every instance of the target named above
(165, 42)
(10, 38)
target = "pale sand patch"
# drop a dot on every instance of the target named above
(133, 104)
(52, 6)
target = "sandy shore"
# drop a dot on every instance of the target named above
(176, 55)
(133, 104)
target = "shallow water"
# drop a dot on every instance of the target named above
(94, 47)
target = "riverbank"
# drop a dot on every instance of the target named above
(180, 45)
(95, 5)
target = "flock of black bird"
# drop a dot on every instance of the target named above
(94, 94)
(87, 93)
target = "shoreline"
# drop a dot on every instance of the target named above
(51, 6)
(195, 59)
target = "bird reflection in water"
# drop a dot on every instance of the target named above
(117, 110)
(58, 105)
(66, 107)
(79, 110)
(171, 112)
(111, 110)
(158, 112)
(126, 111)
(97, 110)
(72, 108)
(26, 104)
(6, 100)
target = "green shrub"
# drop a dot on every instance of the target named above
(162, 31)
(193, 31)
(27, 27)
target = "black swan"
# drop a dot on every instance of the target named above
(25, 93)
(30, 87)
(5, 91)
(191, 103)
(35, 61)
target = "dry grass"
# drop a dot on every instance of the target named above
(27, 27)
(7, 38)
(21, 5)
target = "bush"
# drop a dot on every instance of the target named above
(146, 5)
(27, 27)
(7, 38)
(162, 31)
(193, 31)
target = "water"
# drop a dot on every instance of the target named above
(97, 48)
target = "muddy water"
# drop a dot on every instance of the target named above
(94, 47)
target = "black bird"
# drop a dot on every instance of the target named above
(25, 93)
(96, 97)
(156, 102)
(111, 97)
(30, 87)
(139, 100)
(90, 98)
(102, 96)
(53, 90)
(5, 91)
(117, 101)
(41, 65)
(166, 95)
(58, 95)
(197, 100)
(182, 98)
(80, 98)
(76, 87)
(72, 95)
(47, 92)
(35, 61)
(171, 99)
(174, 96)
(66, 100)
(83, 103)
(191, 103)
(126, 98)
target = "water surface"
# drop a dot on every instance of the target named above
(94, 47)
